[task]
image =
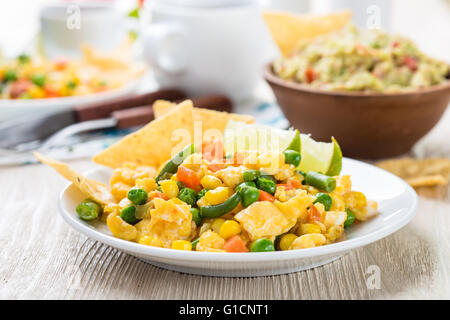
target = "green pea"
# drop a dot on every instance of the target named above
(38, 79)
(89, 210)
(292, 157)
(266, 185)
(188, 195)
(251, 175)
(350, 218)
(324, 199)
(9, 75)
(137, 196)
(71, 84)
(128, 214)
(196, 216)
(202, 193)
(23, 58)
(245, 184)
(262, 245)
(249, 195)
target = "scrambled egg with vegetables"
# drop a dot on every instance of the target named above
(249, 202)
(353, 60)
(36, 78)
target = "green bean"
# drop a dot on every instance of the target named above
(324, 199)
(174, 163)
(251, 175)
(266, 185)
(320, 181)
(89, 210)
(194, 243)
(249, 195)
(220, 209)
(292, 157)
(245, 184)
(137, 196)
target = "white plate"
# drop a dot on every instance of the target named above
(12, 108)
(397, 204)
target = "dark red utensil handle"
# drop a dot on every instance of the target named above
(104, 109)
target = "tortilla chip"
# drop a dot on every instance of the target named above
(419, 172)
(211, 119)
(288, 29)
(153, 144)
(95, 190)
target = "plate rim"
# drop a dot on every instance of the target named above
(165, 253)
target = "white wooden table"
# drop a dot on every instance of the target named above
(41, 257)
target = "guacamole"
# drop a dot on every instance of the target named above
(354, 60)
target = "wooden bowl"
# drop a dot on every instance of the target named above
(366, 125)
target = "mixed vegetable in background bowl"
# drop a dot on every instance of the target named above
(355, 60)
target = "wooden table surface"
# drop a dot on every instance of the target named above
(41, 257)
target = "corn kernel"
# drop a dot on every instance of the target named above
(286, 241)
(217, 224)
(169, 188)
(119, 190)
(147, 184)
(308, 241)
(210, 182)
(308, 228)
(355, 200)
(334, 233)
(229, 228)
(182, 245)
(217, 196)
(150, 241)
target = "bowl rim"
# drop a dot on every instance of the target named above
(271, 78)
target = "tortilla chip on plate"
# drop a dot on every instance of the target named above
(211, 119)
(419, 172)
(288, 29)
(153, 144)
(93, 189)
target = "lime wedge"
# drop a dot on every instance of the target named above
(239, 136)
(320, 156)
(316, 156)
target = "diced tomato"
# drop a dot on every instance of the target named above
(238, 158)
(50, 92)
(265, 196)
(310, 75)
(295, 183)
(61, 63)
(286, 186)
(395, 44)
(160, 195)
(189, 177)
(235, 244)
(314, 214)
(213, 150)
(19, 87)
(216, 166)
(410, 62)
